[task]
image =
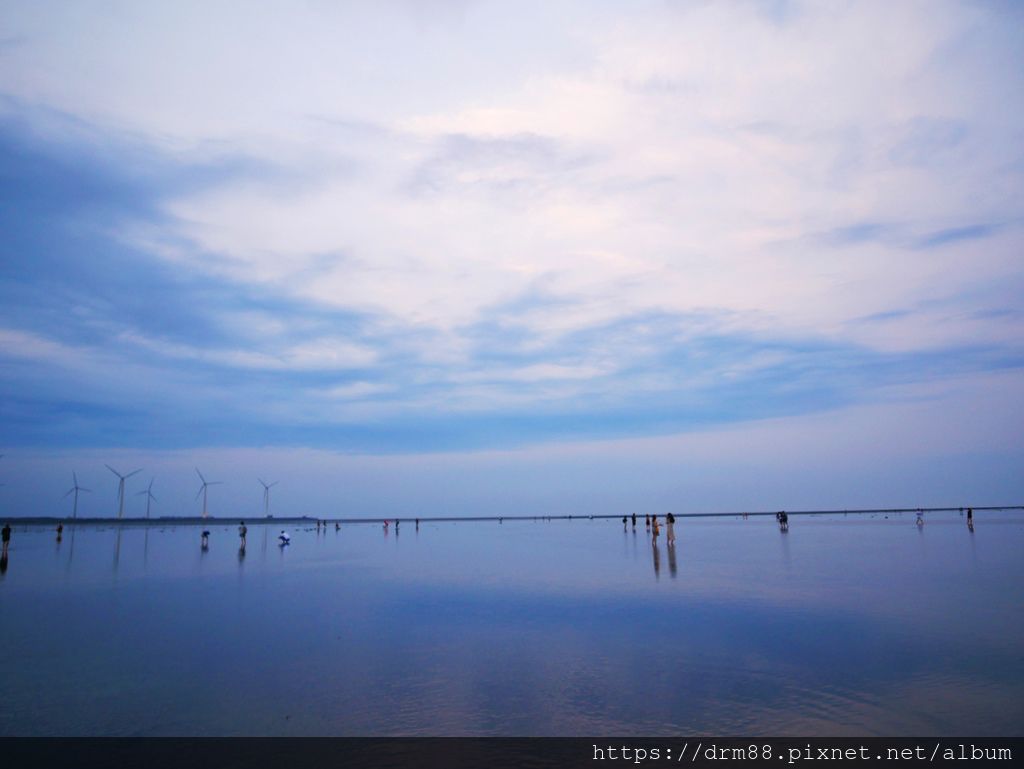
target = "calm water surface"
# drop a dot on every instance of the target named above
(852, 625)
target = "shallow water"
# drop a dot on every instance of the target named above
(854, 625)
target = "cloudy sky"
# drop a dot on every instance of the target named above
(460, 257)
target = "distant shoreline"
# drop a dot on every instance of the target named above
(197, 521)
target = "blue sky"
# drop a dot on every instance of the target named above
(469, 258)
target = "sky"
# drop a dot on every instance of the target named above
(459, 258)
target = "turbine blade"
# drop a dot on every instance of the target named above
(140, 493)
(75, 477)
(133, 473)
(89, 490)
(66, 495)
(261, 481)
(200, 475)
(275, 483)
(111, 469)
(152, 497)
(200, 491)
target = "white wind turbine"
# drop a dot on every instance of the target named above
(202, 489)
(266, 496)
(120, 488)
(149, 495)
(76, 488)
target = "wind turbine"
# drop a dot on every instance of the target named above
(120, 488)
(76, 488)
(266, 496)
(149, 495)
(202, 489)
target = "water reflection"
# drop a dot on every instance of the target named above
(117, 550)
(430, 639)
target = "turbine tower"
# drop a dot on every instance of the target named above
(120, 488)
(266, 496)
(202, 489)
(76, 488)
(149, 495)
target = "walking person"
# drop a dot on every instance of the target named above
(670, 528)
(242, 531)
(6, 536)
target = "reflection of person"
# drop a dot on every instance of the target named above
(6, 536)
(670, 528)
(242, 531)
(672, 559)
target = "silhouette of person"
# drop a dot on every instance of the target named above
(60, 531)
(970, 516)
(670, 528)
(647, 522)
(623, 523)
(242, 531)
(655, 528)
(634, 520)
(5, 535)
(204, 541)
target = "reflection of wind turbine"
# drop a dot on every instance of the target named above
(266, 496)
(76, 488)
(202, 489)
(120, 488)
(149, 496)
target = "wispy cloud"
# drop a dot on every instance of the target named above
(491, 229)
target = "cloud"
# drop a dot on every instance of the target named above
(378, 230)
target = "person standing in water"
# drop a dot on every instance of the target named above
(204, 541)
(242, 531)
(654, 528)
(60, 531)
(6, 536)
(647, 522)
(634, 520)
(970, 517)
(670, 528)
